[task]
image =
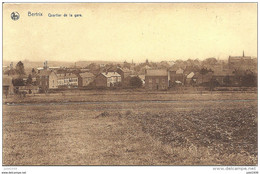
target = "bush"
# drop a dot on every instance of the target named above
(18, 82)
(135, 82)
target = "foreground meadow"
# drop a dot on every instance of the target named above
(205, 131)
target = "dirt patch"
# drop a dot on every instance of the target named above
(179, 133)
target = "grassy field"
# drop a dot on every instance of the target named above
(183, 129)
(128, 95)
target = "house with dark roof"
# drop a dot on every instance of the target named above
(241, 62)
(47, 80)
(176, 76)
(8, 87)
(201, 79)
(224, 77)
(124, 72)
(29, 89)
(108, 79)
(189, 79)
(85, 79)
(156, 79)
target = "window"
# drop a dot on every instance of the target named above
(150, 81)
(157, 80)
(163, 80)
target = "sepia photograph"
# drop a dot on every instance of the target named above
(130, 84)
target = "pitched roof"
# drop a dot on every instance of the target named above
(61, 75)
(125, 70)
(70, 75)
(147, 67)
(239, 57)
(67, 75)
(173, 68)
(86, 74)
(111, 74)
(190, 75)
(179, 71)
(44, 73)
(223, 73)
(142, 77)
(156, 72)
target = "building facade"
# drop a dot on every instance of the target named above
(123, 72)
(157, 79)
(67, 80)
(47, 80)
(108, 79)
(8, 87)
(85, 79)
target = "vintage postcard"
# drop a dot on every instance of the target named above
(140, 84)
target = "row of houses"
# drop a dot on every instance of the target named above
(154, 79)
(52, 80)
(48, 79)
(161, 79)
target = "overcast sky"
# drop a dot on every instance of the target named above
(126, 31)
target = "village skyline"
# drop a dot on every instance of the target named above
(7, 62)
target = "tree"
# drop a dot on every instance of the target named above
(10, 72)
(33, 71)
(249, 80)
(213, 83)
(135, 82)
(203, 72)
(227, 80)
(210, 61)
(18, 82)
(238, 76)
(19, 68)
(29, 80)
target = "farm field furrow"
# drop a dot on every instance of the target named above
(179, 133)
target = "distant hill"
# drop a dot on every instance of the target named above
(36, 64)
(28, 65)
(86, 63)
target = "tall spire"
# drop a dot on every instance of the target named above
(243, 54)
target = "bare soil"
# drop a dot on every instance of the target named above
(206, 130)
